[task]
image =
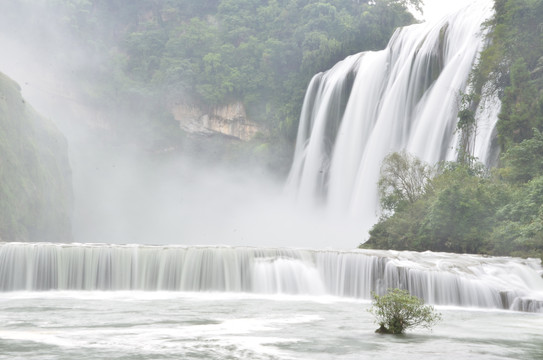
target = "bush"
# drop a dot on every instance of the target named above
(398, 310)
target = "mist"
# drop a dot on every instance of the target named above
(125, 193)
(177, 200)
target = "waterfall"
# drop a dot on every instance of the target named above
(438, 278)
(405, 97)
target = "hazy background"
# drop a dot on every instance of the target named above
(125, 193)
(127, 189)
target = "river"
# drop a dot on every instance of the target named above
(185, 325)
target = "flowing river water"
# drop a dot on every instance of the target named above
(88, 301)
(103, 301)
(188, 325)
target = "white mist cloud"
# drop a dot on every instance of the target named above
(123, 194)
(137, 199)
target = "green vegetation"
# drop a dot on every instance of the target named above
(398, 311)
(35, 180)
(402, 180)
(513, 65)
(134, 60)
(463, 207)
(152, 55)
(260, 52)
(455, 213)
(149, 55)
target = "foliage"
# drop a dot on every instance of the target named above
(467, 127)
(403, 179)
(398, 311)
(519, 229)
(400, 231)
(524, 161)
(136, 60)
(454, 213)
(213, 52)
(464, 208)
(513, 64)
(522, 109)
(460, 211)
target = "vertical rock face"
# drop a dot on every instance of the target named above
(35, 176)
(229, 120)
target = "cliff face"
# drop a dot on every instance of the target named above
(35, 177)
(229, 120)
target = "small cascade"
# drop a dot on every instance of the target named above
(286, 276)
(438, 278)
(405, 97)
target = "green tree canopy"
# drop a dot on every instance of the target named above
(524, 161)
(455, 212)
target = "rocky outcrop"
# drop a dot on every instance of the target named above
(230, 120)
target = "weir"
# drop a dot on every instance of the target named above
(438, 278)
(403, 98)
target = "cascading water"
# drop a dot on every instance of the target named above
(103, 301)
(405, 97)
(444, 279)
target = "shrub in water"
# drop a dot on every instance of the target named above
(397, 311)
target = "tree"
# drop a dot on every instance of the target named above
(524, 161)
(402, 180)
(454, 212)
(467, 127)
(519, 223)
(397, 311)
(521, 108)
(461, 209)
(401, 231)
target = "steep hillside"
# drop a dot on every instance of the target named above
(35, 179)
(158, 72)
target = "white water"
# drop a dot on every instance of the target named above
(405, 97)
(169, 325)
(438, 278)
(70, 301)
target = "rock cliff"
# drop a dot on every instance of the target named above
(230, 120)
(35, 176)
